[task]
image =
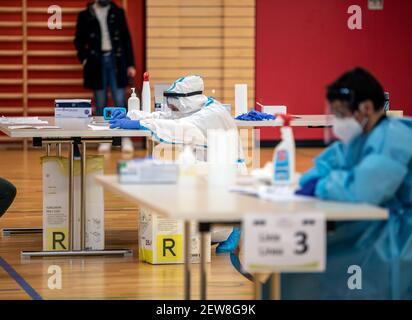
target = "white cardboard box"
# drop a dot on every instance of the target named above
(56, 204)
(161, 240)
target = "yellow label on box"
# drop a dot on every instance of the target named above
(169, 248)
(146, 255)
(57, 239)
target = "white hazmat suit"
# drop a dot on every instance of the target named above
(192, 115)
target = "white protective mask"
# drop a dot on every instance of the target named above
(346, 129)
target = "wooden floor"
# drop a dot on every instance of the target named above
(100, 277)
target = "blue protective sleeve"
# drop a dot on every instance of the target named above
(332, 158)
(374, 180)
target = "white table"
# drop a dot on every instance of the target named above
(71, 131)
(209, 206)
(310, 121)
(70, 127)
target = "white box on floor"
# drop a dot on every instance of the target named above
(161, 240)
(56, 204)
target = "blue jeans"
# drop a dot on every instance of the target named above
(109, 80)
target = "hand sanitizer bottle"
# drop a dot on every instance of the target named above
(133, 103)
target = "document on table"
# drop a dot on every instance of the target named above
(33, 127)
(271, 193)
(99, 127)
(21, 120)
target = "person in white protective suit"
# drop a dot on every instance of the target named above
(190, 114)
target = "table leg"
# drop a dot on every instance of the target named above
(257, 287)
(149, 146)
(59, 149)
(275, 288)
(48, 149)
(71, 196)
(83, 196)
(203, 279)
(187, 261)
(256, 148)
(204, 229)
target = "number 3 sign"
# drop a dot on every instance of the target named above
(287, 242)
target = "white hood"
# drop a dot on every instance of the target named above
(192, 104)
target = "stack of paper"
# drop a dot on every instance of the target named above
(33, 127)
(21, 120)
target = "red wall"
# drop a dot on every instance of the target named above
(301, 46)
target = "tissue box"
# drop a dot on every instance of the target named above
(161, 240)
(147, 171)
(73, 108)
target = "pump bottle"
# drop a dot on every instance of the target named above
(133, 103)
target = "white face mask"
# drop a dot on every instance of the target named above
(345, 129)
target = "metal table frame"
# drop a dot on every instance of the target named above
(204, 228)
(38, 142)
(58, 144)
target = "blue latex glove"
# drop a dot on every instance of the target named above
(308, 189)
(231, 243)
(254, 115)
(125, 124)
(118, 114)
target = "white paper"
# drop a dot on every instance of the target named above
(20, 127)
(251, 191)
(271, 193)
(47, 127)
(278, 194)
(95, 127)
(285, 242)
(21, 120)
(33, 127)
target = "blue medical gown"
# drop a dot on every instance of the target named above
(375, 168)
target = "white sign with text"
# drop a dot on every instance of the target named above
(285, 242)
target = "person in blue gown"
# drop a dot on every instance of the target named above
(372, 163)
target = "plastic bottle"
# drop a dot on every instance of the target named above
(187, 166)
(133, 103)
(146, 99)
(284, 155)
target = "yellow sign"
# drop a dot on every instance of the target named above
(57, 239)
(169, 248)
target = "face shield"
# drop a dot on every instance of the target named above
(175, 100)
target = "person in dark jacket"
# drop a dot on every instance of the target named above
(104, 47)
(7, 195)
